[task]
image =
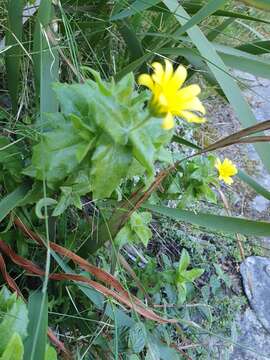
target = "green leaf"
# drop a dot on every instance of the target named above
(13, 53)
(124, 236)
(58, 154)
(15, 320)
(138, 223)
(256, 47)
(243, 61)
(50, 353)
(35, 344)
(137, 337)
(110, 163)
(136, 7)
(10, 158)
(182, 141)
(184, 261)
(14, 349)
(253, 184)
(225, 224)
(208, 9)
(43, 203)
(12, 200)
(192, 275)
(218, 68)
(143, 149)
(46, 62)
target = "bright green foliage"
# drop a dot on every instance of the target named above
(185, 276)
(14, 349)
(100, 130)
(136, 230)
(193, 182)
(13, 329)
(14, 319)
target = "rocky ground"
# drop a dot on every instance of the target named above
(253, 340)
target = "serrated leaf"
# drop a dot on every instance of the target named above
(110, 163)
(138, 337)
(14, 349)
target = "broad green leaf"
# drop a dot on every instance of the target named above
(218, 68)
(13, 53)
(220, 223)
(133, 43)
(14, 320)
(143, 149)
(253, 184)
(138, 223)
(58, 154)
(110, 163)
(138, 337)
(50, 353)
(184, 261)
(14, 349)
(35, 344)
(124, 236)
(12, 200)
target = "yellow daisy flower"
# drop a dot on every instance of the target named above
(169, 99)
(226, 170)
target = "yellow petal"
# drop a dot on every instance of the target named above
(146, 80)
(191, 105)
(179, 77)
(190, 117)
(228, 180)
(158, 72)
(168, 70)
(188, 92)
(168, 122)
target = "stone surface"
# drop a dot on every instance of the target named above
(255, 271)
(253, 342)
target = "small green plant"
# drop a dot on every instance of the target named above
(184, 276)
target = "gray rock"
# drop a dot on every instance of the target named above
(255, 271)
(260, 203)
(253, 341)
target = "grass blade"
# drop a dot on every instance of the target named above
(220, 223)
(253, 184)
(13, 54)
(45, 60)
(8, 203)
(35, 344)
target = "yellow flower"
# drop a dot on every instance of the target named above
(226, 170)
(168, 99)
